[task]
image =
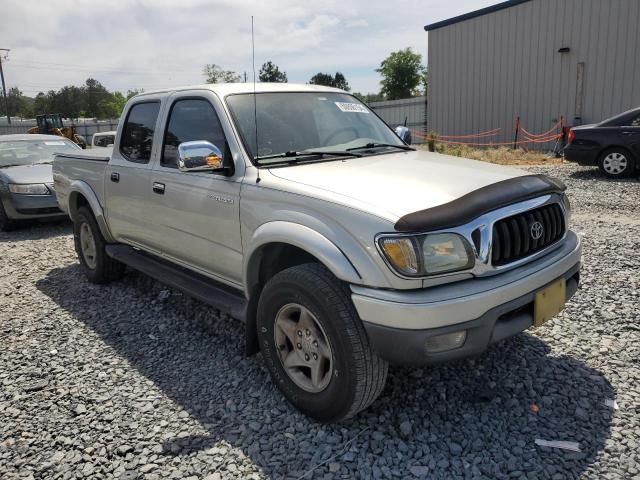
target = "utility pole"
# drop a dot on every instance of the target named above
(4, 89)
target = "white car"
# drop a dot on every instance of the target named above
(103, 139)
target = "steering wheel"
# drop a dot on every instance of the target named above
(339, 131)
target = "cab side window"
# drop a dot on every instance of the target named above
(190, 119)
(635, 122)
(137, 136)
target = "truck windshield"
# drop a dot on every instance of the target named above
(290, 124)
(29, 152)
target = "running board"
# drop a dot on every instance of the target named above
(216, 294)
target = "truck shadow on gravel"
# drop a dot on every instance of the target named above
(470, 418)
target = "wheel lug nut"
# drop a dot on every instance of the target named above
(307, 332)
(299, 345)
(315, 356)
(306, 357)
(299, 333)
(315, 343)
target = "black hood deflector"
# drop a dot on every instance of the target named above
(474, 204)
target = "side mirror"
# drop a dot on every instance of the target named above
(200, 156)
(404, 133)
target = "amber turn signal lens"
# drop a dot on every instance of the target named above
(401, 253)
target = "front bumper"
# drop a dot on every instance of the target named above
(23, 207)
(489, 309)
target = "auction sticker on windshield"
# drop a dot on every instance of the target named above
(54, 143)
(351, 107)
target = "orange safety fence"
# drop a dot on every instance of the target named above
(497, 144)
(526, 133)
(528, 137)
(488, 133)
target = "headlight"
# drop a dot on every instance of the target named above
(29, 188)
(421, 255)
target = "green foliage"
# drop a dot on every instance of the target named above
(19, 105)
(402, 74)
(338, 80)
(113, 107)
(90, 100)
(215, 74)
(271, 73)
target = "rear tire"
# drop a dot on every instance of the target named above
(316, 310)
(617, 163)
(6, 224)
(90, 247)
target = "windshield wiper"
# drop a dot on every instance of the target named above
(376, 145)
(295, 155)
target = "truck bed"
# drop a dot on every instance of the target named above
(85, 168)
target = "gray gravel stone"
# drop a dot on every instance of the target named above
(163, 380)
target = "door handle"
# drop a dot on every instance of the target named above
(629, 133)
(115, 177)
(158, 187)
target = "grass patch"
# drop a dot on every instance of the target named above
(499, 155)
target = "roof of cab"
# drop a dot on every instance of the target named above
(223, 89)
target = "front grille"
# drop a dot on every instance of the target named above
(524, 234)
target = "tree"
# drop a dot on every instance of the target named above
(215, 74)
(369, 97)
(112, 108)
(19, 105)
(134, 92)
(402, 73)
(95, 97)
(338, 80)
(271, 73)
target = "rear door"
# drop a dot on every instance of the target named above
(631, 134)
(128, 176)
(197, 213)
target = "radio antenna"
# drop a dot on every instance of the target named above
(255, 101)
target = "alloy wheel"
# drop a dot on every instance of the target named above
(303, 348)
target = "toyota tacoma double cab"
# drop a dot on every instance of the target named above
(296, 209)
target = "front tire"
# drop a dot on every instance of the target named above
(617, 163)
(90, 246)
(315, 346)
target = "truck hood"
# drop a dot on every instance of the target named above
(39, 173)
(393, 185)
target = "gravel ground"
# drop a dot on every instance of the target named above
(134, 380)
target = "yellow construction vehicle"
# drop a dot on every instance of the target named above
(51, 124)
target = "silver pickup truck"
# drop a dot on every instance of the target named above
(299, 211)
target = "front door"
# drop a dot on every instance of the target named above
(198, 213)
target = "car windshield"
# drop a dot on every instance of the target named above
(291, 124)
(29, 152)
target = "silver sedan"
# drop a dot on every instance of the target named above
(26, 181)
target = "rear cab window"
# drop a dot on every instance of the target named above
(138, 131)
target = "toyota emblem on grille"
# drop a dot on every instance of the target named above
(537, 230)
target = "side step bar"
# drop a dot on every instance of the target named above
(220, 296)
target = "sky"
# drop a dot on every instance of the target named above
(150, 44)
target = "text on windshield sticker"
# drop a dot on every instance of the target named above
(54, 143)
(351, 107)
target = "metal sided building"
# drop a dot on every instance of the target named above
(534, 59)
